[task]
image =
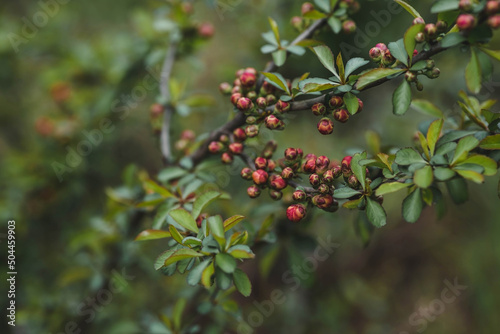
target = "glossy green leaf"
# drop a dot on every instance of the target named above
(195, 274)
(358, 170)
(444, 6)
(335, 24)
(202, 201)
(423, 177)
(443, 173)
(241, 252)
(375, 75)
(242, 282)
(279, 57)
(464, 146)
(452, 39)
(354, 64)
(408, 156)
(326, 58)
(398, 51)
(344, 193)
(401, 99)
(490, 166)
(490, 143)
(409, 38)
(433, 134)
(277, 80)
(232, 222)
(457, 188)
(156, 188)
(391, 187)
(184, 218)
(225, 262)
(175, 234)
(351, 102)
(375, 212)
(217, 229)
(413, 206)
(471, 175)
(408, 8)
(340, 66)
(275, 30)
(473, 75)
(492, 53)
(152, 235)
(181, 254)
(206, 276)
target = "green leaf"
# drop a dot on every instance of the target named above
(443, 173)
(490, 143)
(492, 53)
(373, 141)
(444, 6)
(401, 99)
(175, 234)
(225, 262)
(471, 175)
(413, 206)
(324, 5)
(152, 235)
(408, 8)
(277, 80)
(358, 170)
(335, 24)
(194, 275)
(206, 276)
(279, 58)
(274, 28)
(242, 282)
(270, 38)
(376, 213)
(315, 15)
(344, 193)
(241, 252)
(433, 134)
(464, 146)
(419, 66)
(427, 107)
(490, 166)
(171, 173)
(353, 64)
(423, 177)
(268, 48)
(398, 51)
(340, 66)
(409, 38)
(217, 229)
(387, 188)
(375, 75)
(160, 260)
(184, 218)
(452, 39)
(326, 58)
(408, 156)
(181, 254)
(199, 100)
(316, 85)
(222, 279)
(231, 222)
(457, 189)
(296, 50)
(452, 136)
(202, 201)
(156, 188)
(351, 102)
(177, 313)
(473, 75)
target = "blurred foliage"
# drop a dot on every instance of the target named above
(73, 238)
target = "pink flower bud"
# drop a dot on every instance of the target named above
(430, 31)
(287, 173)
(282, 106)
(291, 154)
(420, 37)
(253, 191)
(215, 147)
(227, 158)
(261, 102)
(260, 163)
(307, 7)
(244, 104)
(225, 88)
(349, 26)
(246, 173)
(353, 182)
(336, 102)
(296, 212)
(297, 23)
(156, 110)
(494, 22)
(277, 182)
(235, 97)
(376, 54)
(418, 20)
(248, 79)
(310, 165)
(382, 47)
(314, 180)
(236, 148)
(271, 165)
(318, 109)
(346, 163)
(299, 195)
(252, 130)
(275, 194)
(239, 134)
(274, 123)
(465, 5)
(466, 22)
(492, 7)
(341, 115)
(206, 30)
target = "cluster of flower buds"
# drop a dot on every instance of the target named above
(431, 30)
(229, 145)
(430, 71)
(468, 20)
(336, 108)
(346, 8)
(381, 54)
(185, 141)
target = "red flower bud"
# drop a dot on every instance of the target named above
(225, 88)
(494, 22)
(418, 20)
(227, 158)
(466, 22)
(236, 89)
(271, 165)
(353, 181)
(224, 139)
(341, 115)
(236, 148)
(361, 105)
(244, 104)
(430, 31)
(441, 26)
(310, 165)
(215, 147)
(275, 194)
(323, 201)
(381, 46)
(248, 79)
(318, 109)
(246, 173)
(274, 123)
(188, 135)
(314, 180)
(297, 23)
(324, 189)
(282, 106)
(251, 70)
(325, 126)
(465, 5)
(328, 176)
(376, 54)
(260, 177)
(287, 173)
(492, 7)
(239, 134)
(206, 30)
(253, 191)
(322, 162)
(291, 154)
(277, 182)
(261, 102)
(156, 110)
(296, 212)
(307, 7)
(260, 163)
(299, 195)
(346, 163)
(388, 58)
(335, 102)
(420, 37)
(349, 26)
(252, 130)
(235, 97)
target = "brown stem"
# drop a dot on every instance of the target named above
(168, 110)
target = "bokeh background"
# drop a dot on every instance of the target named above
(71, 237)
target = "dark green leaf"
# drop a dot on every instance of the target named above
(194, 275)
(225, 262)
(375, 75)
(457, 189)
(202, 201)
(408, 8)
(242, 282)
(423, 177)
(183, 218)
(353, 64)
(277, 80)
(398, 51)
(408, 156)
(326, 58)
(413, 206)
(473, 75)
(452, 39)
(351, 102)
(444, 6)
(346, 192)
(152, 235)
(490, 143)
(376, 213)
(401, 99)
(358, 170)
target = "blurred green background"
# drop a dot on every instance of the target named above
(71, 238)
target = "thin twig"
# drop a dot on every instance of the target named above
(168, 110)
